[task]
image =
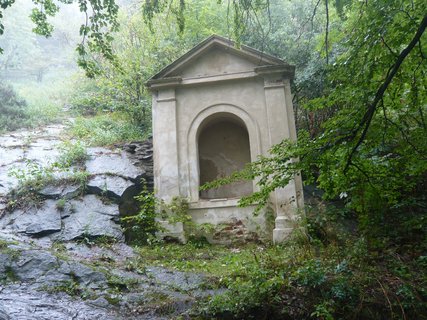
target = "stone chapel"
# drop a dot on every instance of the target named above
(215, 109)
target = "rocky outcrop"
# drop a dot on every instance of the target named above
(52, 265)
(141, 155)
(70, 283)
(89, 217)
(33, 221)
(66, 209)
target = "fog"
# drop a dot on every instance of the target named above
(28, 57)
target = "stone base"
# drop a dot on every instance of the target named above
(280, 235)
(173, 231)
(283, 229)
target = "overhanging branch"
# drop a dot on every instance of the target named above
(367, 118)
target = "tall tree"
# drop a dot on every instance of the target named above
(372, 153)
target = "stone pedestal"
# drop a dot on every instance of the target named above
(175, 231)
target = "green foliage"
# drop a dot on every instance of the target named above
(96, 32)
(72, 154)
(142, 227)
(360, 102)
(238, 15)
(297, 42)
(103, 241)
(218, 262)
(332, 275)
(60, 204)
(10, 275)
(372, 152)
(45, 101)
(106, 129)
(4, 5)
(29, 105)
(6, 249)
(175, 211)
(12, 109)
(120, 87)
(70, 287)
(79, 177)
(304, 280)
(33, 176)
(119, 284)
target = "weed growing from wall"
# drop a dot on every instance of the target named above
(142, 227)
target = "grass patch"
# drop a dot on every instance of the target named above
(304, 278)
(10, 274)
(43, 112)
(106, 129)
(160, 302)
(12, 109)
(4, 244)
(219, 262)
(30, 104)
(72, 154)
(34, 177)
(119, 284)
(14, 254)
(70, 287)
(45, 101)
(102, 241)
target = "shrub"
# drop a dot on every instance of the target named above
(142, 227)
(107, 129)
(310, 279)
(12, 109)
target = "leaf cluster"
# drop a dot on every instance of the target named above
(12, 109)
(371, 155)
(96, 31)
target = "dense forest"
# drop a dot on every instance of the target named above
(359, 250)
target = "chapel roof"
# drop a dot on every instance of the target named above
(261, 59)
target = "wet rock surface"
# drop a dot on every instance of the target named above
(113, 162)
(109, 185)
(77, 281)
(66, 209)
(32, 220)
(53, 264)
(61, 191)
(20, 302)
(90, 217)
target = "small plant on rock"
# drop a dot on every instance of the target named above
(33, 176)
(142, 227)
(60, 205)
(72, 154)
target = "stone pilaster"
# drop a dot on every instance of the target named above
(165, 144)
(279, 109)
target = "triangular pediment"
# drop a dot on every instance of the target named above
(217, 56)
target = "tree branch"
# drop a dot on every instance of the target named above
(367, 118)
(327, 32)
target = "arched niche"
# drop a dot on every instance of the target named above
(223, 148)
(239, 115)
